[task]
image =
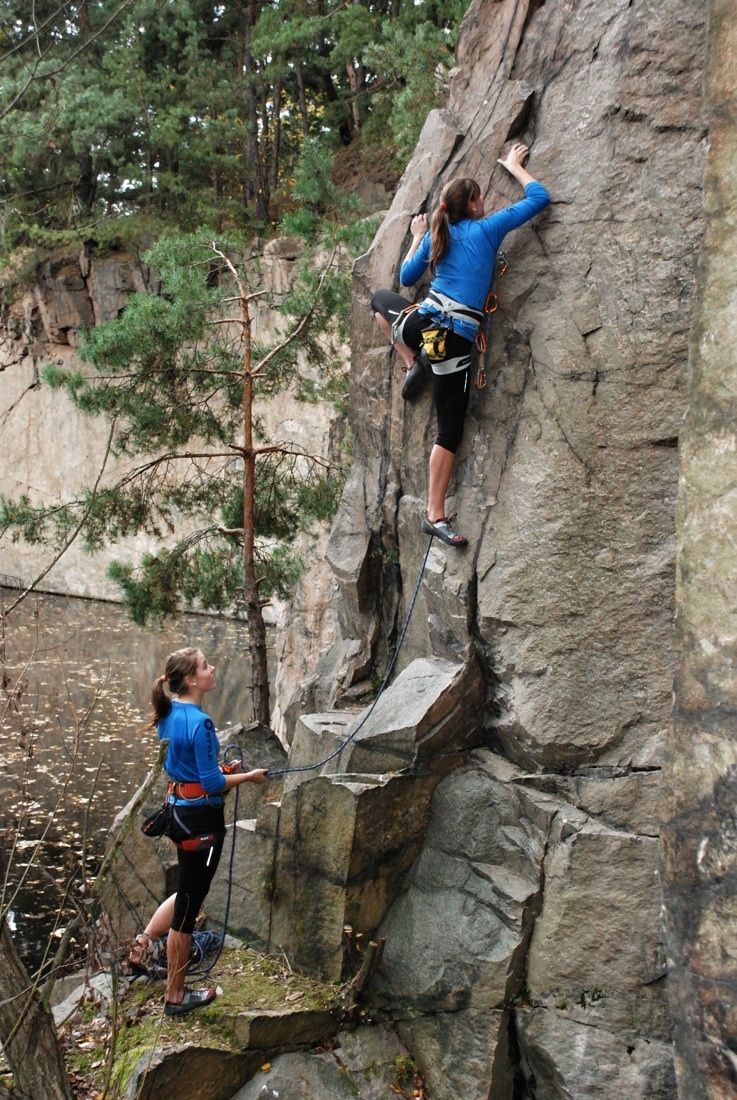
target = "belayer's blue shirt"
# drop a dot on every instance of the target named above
(192, 756)
(464, 273)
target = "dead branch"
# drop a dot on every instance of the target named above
(300, 326)
(37, 580)
(127, 823)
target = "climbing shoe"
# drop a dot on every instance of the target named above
(414, 383)
(442, 530)
(193, 998)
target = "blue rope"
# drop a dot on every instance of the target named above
(196, 971)
(336, 752)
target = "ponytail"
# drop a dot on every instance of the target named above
(453, 208)
(179, 666)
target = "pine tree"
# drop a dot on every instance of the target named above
(179, 376)
(123, 116)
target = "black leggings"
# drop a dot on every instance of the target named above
(451, 391)
(197, 869)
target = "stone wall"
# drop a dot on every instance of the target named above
(699, 835)
(524, 950)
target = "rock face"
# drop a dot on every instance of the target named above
(524, 951)
(699, 839)
(495, 819)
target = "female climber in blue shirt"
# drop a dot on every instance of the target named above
(460, 251)
(196, 791)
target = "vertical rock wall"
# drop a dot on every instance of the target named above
(699, 834)
(524, 952)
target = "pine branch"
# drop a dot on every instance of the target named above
(34, 74)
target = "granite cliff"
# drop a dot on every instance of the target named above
(540, 965)
(496, 817)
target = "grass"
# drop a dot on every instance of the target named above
(249, 980)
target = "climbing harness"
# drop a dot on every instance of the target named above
(450, 314)
(491, 305)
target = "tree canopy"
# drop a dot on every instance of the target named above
(128, 113)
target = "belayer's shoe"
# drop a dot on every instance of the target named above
(193, 998)
(442, 530)
(414, 383)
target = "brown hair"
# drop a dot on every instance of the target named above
(179, 665)
(453, 208)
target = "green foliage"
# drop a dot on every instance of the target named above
(170, 378)
(415, 59)
(125, 117)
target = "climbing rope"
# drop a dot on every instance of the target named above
(199, 966)
(364, 720)
(198, 971)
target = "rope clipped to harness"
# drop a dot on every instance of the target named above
(385, 682)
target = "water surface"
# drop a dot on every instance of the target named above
(77, 682)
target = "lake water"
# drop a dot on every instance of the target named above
(76, 693)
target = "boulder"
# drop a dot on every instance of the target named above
(429, 712)
(464, 1053)
(579, 1052)
(175, 1071)
(474, 893)
(343, 846)
(364, 1063)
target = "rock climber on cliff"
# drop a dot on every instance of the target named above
(460, 250)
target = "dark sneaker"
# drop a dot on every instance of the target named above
(442, 530)
(193, 998)
(414, 383)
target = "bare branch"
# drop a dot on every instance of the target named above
(233, 271)
(246, 297)
(126, 824)
(289, 452)
(302, 323)
(19, 599)
(188, 456)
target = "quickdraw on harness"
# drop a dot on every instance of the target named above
(491, 305)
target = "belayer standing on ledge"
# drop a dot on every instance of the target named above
(196, 789)
(460, 250)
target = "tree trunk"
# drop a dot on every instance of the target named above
(254, 189)
(302, 98)
(254, 611)
(27, 1030)
(275, 139)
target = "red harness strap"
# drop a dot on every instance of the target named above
(187, 790)
(196, 843)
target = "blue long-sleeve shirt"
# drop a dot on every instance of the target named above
(192, 756)
(464, 273)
